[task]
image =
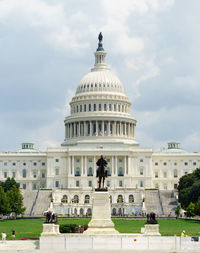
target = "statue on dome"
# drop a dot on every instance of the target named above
(100, 37)
(101, 172)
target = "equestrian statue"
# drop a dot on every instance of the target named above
(101, 172)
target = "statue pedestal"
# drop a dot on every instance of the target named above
(101, 222)
(50, 229)
(151, 229)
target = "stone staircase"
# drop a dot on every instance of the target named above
(169, 202)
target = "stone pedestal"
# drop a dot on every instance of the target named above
(50, 229)
(101, 222)
(151, 229)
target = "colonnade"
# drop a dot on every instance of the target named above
(99, 128)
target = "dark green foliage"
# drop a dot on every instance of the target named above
(190, 210)
(178, 210)
(11, 200)
(197, 207)
(189, 188)
(9, 183)
(68, 228)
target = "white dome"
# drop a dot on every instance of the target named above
(100, 80)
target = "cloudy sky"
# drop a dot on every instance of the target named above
(46, 46)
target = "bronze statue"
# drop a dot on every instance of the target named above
(101, 171)
(151, 218)
(51, 217)
(100, 37)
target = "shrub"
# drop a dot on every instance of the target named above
(67, 228)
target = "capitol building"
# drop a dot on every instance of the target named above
(100, 123)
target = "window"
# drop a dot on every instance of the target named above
(87, 199)
(90, 172)
(43, 164)
(14, 174)
(141, 171)
(164, 174)
(57, 184)
(34, 187)
(108, 171)
(77, 108)
(120, 172)
(24, 186)
(186, 164)
(34, 174)
(95, 107)
(5, 164)
(186, 173)
(90, 183)
(76, 199)
(78, 160)
(141, 160)
(64, 199)
(34, 164)
(131, 198)
(165, 187)
(43, 174)
(108, 183)
(84, 108)
(24, 173)
(120, 160)
(90, 160)
(164, 164)
(99, 107)
(108, 160)
(156, 164)
(115, 108)
(141, 184)
(120, 199)
(175, 173)
(156, 174)
(175, 164)
(77, 172)
(104, 107)
(80, 108)
(157, 186)
(119, 108)
(77, 184)
(110, 107)
(89, 107)
(57, 160)
(57, 172)
(5, 174)
(14, 164)
(120, 183)
(194, 163)
(24, 164)
(175, 186)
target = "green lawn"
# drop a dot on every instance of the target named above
(33, 228)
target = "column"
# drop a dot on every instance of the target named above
(65, 131)
(133, 131)
(120, 133)
(109, 128)
(82, 166)
(112, 173)
(116, 169)
(102, 127)
(94, 166)
(129, 165)
(114, 128)
(84, 129)
(74, 129)
(72, 165)
(90, 128)
(69, 165)
(97, 129)
(79, 128)
(129, 129)
(85, 165)
(125, 168)
(125, 128)
(70, 130)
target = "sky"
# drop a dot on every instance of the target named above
(47, 46)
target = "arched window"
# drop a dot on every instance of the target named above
(120, 199)
(24, 173)
(76, 199)
(120, 172)
(131, 198)
(87, 199)
(89, 212)
(64, 199)
(81, 211)
(109, 171)
(77, 172)
(90, 172)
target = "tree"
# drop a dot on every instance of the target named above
(4, 203)
(197, 207)
(16, 200)
(9, 183)
(178, 210)
(190, 210)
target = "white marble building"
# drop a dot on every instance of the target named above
(100, 123)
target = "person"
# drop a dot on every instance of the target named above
(13, 234)
(3, 234)
(79, 229)
(183, 233)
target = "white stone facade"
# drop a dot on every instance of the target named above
(100, 123)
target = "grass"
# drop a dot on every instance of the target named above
(32, 228)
